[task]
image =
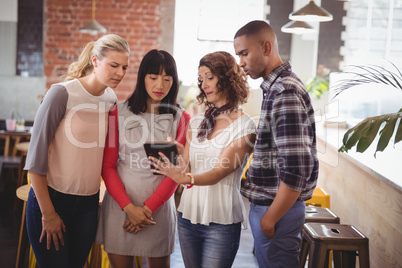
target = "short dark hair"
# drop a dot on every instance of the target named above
(231, 78)
(154, 62)
(253, 28)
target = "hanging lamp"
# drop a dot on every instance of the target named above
(311, 12)
(297, 27)
(93, 27)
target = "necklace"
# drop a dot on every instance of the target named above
(234, 109)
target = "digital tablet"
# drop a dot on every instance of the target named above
(167, 148)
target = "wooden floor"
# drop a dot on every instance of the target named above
(10, 224)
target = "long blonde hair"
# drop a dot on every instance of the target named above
(83, 66)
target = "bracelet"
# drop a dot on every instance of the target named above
(51, 219)
(191, 180)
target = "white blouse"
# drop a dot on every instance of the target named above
(222, 202)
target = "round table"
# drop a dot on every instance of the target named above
(17, 135)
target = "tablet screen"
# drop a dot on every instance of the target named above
(167, 148)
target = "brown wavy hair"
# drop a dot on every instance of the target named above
(231, 79)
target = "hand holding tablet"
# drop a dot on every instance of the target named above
(167, 148)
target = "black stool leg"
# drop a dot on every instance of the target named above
(348, 258)
(337, 257)
(364, 258)
(303, 252)
(317, 255)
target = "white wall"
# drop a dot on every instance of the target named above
(20, 95)
(8, 36)
(8, 10)
(304, 48)
(202, 19)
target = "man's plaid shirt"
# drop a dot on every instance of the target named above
(285, 149)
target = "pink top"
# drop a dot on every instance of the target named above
(68, 138)
(114, 184)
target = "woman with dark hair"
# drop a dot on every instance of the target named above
(219, 144)
(155, 62)
(138, 213)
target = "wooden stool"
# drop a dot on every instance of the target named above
(320, 214)
(318, 238)
(22, 193)
(22, 147)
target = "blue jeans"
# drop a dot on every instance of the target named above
(283, 249)
(210, 246)
(80, 216)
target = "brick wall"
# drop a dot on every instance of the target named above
(137, 21)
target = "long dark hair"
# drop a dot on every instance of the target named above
(154, 62)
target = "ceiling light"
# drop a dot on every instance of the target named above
(311, 12)
(297, 27)
(93, 27)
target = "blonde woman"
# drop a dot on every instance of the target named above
(65, 156)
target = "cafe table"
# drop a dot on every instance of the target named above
(17, 136)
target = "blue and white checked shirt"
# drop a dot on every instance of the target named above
(285, 149)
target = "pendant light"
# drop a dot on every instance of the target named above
(93, 27)
(297, 27)
(311, 12)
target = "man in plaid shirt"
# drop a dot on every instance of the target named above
(284, 169)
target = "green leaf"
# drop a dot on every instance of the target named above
(353, 135)
(365, 132)
(371, 74)
(398, 135)
(317, 86)
(366, 140)
(386, 133)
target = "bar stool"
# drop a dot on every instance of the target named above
(320, 214)
(22, 147)
(318, 238)
(323, 215)
(22, 193)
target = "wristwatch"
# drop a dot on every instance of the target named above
(191, 180)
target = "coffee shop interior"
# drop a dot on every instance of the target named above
(359, 41)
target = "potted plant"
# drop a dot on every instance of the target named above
(319, 84)
(364, 133)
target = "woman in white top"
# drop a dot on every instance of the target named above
(218, 146)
